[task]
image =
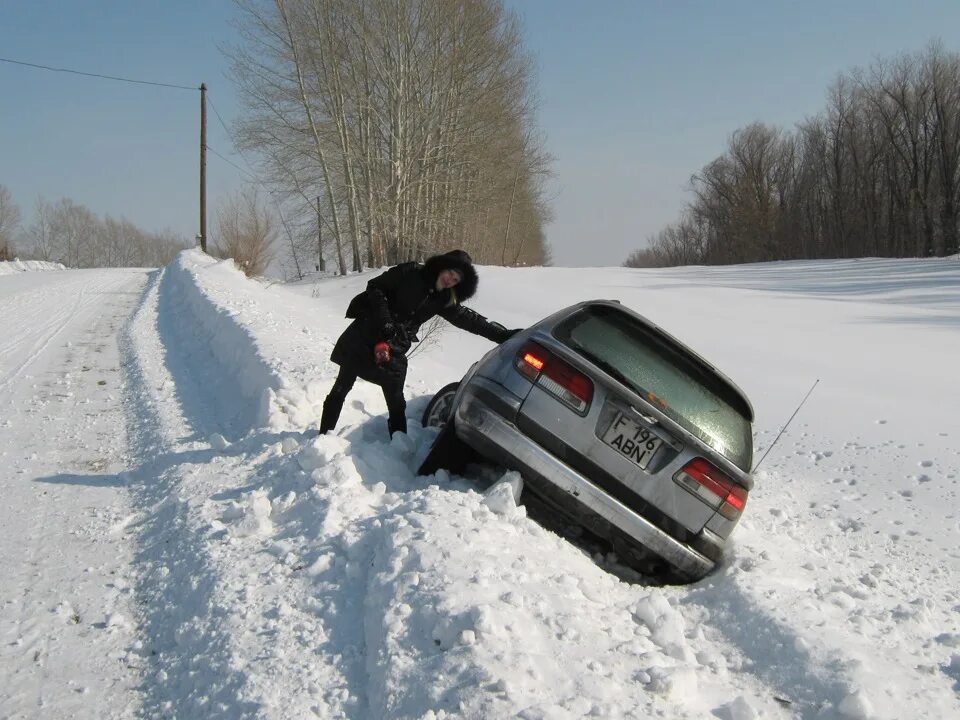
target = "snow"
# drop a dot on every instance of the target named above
(9, 267)
(178, 542)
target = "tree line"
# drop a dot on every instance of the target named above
(876, 173)
(392, 129)
(66, 232)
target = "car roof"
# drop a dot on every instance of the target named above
(705, 364)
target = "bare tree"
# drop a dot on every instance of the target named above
(413, 119)
(72, 234)
(648, 257)
(73, 231)
(292, 240)
(9, 222)
(247, 231)
(301, 249)
(878, 172)
(943, 70)
(38, 235)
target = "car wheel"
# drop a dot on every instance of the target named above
(438, 409)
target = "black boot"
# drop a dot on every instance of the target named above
(331, 413)
(396, 407)
(334, 402)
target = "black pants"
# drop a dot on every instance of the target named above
(392, 393)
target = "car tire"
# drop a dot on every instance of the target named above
(438, 409)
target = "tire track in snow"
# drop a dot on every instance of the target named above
(40, 335)
(66, 658)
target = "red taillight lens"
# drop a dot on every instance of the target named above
(531, 361)
(555, 376)
(712, 486)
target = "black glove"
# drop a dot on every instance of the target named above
(396, 334)
(393, 331)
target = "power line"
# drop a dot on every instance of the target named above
(96, 75)
(227, 131)
(217, 113)
(249, 172)
(249, 177)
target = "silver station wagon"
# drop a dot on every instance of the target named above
(614, 424)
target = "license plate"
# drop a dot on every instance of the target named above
(632, 440)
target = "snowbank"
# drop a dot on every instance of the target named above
(16, 266)
(209, 303)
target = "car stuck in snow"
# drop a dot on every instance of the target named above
(614, 424)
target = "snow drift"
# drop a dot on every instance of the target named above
(9, 267)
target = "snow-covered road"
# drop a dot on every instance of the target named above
(66, 554)
(177, 543)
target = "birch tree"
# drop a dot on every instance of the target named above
(412, 118)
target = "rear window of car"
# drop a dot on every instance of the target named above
(662, 371)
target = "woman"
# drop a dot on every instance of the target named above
(386, 317)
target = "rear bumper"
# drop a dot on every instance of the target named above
(501, 441)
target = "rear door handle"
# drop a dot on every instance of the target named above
(660, 431)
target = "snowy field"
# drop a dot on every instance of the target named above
(175, 542)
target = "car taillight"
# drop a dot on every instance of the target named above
(712, 486)
(556, 376)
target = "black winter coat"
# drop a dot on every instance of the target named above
(405, 297)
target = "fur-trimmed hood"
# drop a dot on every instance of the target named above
(453, 260)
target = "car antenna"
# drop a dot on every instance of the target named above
(784, 428)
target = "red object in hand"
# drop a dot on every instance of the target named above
(381, 353)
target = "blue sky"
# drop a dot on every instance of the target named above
(634, 98)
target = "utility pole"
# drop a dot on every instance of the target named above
(203, 166)
(321, 267)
